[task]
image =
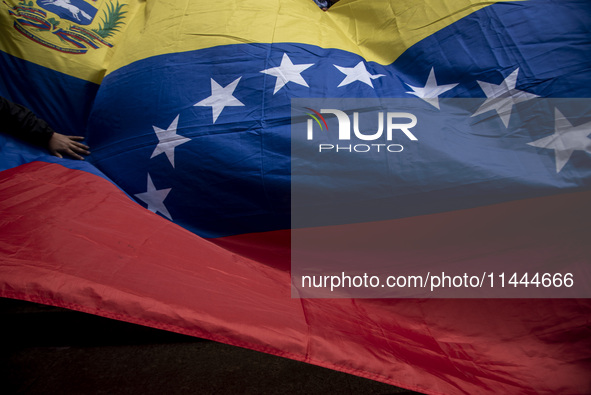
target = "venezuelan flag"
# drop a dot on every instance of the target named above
(181, 218)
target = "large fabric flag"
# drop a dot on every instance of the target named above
(182, 218)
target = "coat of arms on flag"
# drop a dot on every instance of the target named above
(70, 26)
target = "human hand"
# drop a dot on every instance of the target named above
(60, 144)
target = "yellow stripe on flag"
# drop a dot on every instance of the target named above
(379, 31)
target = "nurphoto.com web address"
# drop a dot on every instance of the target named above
(433, 282)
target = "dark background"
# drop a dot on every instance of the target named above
(50, 350)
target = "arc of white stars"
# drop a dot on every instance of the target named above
(565, 140)
(357, 73)
(154, 198)
(431, 91)
(168, 140)
(502, 97)
(288, 72)
(221, 97)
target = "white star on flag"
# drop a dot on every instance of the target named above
(287, 72)
(566, 139)
(154, 198)
(221, 97)
(502, 97)
(168, 140)
(431, 91)
(357, 73)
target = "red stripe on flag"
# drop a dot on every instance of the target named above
(72, 239)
